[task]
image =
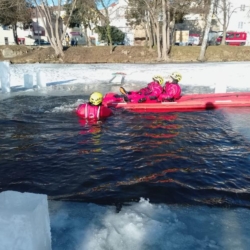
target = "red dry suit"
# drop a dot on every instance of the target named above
(88, 111)
(151, 92)
(171, 92)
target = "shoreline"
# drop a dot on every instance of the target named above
(122, 54)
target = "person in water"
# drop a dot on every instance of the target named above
(171, 89)
(94, 109)
(149, 93)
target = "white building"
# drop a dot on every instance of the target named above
(36, 31)
(7, 37)
(240, 15)
(26, 35)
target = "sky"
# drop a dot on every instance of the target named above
(99, 5)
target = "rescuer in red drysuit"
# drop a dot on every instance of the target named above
(171, 89)
(147, 94)
(94, 109)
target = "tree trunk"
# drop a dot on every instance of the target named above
(154, 33)
(206, 33)
(224, 22)
(86, 36)
(109, 37)
(146, 35)
(168, 29)
(151, 35)
(149, 32)
(164, 31)
(158, 40)
(14, 28)
(173, 29)
(108, 28)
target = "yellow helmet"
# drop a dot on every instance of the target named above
(176, 76)
(159, 79)
(95, 98)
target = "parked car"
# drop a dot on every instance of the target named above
(40, 42)
(118, 43)
(193, 39)
(102, 43)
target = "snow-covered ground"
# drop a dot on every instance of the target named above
(98, 76)
(142, 225)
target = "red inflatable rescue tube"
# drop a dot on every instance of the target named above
(190, 102)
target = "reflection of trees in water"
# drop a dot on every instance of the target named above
(158, 177)
(94, 128)
(24, 135)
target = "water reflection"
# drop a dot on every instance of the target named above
(93, 128)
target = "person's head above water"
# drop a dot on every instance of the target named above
(96, 98)
(176, 77)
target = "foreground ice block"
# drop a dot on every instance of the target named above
(24, 221)
(28, 81)
(5, 76)
(40, 80)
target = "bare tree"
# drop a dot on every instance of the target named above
(137, 14)
(224, 8)
(206, 33)
(164, 31)
(106, 16)
(155, 13)
(85, 14)
(52, 21)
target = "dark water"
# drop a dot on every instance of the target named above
(174, 158)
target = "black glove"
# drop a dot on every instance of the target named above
(168, 99)
(129, 93)
(152, 97)
(142, 100)
(118, 96)
(126, 99)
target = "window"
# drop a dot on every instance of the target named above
(6, 27)
(117, 13)
(6, 41)
(237, 35)
(240, 25)
(242, 7)
(230, 35)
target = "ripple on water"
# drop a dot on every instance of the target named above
(183, 158)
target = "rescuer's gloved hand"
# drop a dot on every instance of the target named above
(168, 99)
(152, 97)
(118, 96)
(142, 100)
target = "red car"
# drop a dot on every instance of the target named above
(234, 38)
